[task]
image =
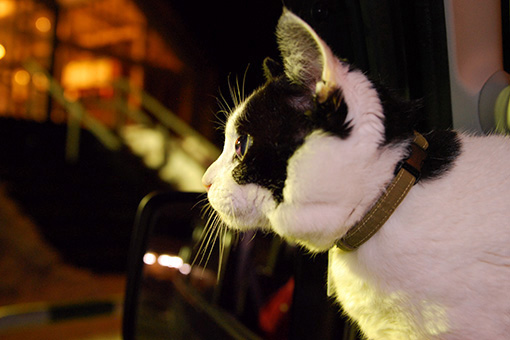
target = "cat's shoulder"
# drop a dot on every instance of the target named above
(449, 147)
(474, 162)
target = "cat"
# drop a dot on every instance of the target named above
(307, 156)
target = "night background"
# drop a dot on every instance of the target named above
(86, 91)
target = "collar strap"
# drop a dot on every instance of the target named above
(407, 174)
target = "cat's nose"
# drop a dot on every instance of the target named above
(206, 182)
(207, 178)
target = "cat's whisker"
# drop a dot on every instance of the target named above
(224, 112)
(243, 97)
(221, 120)
(232, 93)
(203, 203)
(197, 260)
(223, 233)
(205, 239)
(206, 208)
(224, 105)
(210, 226)
(238, 93)
(211, 243)
(253, 236)
(224, 108)
(215, 232)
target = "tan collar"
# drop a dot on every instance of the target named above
(408, 174)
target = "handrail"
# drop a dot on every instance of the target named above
(191, 141)
(191, 138)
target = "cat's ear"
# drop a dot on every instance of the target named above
(307, 59)
(272, 68)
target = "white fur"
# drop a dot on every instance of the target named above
(445, 249)
(440, 266)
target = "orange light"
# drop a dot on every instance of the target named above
(22, 77)
(86, 74)
(7, 7)
(43, 24)
(40, 81)
(2, 51)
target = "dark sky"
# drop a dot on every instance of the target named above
(232, 34)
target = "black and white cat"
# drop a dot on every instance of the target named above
(309, 154)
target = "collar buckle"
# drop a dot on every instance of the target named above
(413, 164)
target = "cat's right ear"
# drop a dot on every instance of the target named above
(272, 69)
(307, 59)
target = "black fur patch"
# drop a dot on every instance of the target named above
(444, 148)
(278, 128)
(400, 116)
(331, 115)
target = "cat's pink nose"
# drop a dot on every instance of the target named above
(207, 180)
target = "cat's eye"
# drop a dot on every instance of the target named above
(242, 145)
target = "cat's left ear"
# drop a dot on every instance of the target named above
(307, 59)
(272, 69)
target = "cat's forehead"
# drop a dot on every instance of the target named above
(269, 106)
(244, 113)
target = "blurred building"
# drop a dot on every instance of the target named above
(86, 46)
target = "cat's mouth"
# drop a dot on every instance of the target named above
(241, 218)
